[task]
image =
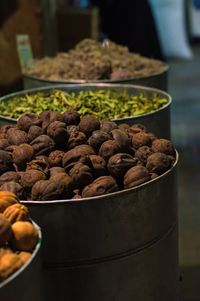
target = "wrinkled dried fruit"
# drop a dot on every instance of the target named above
(24, 256)
(76, 138)
(141, 139)
(142, 153)
(43, 145)
(54, 170)
(13, 187)
(6, 163)
(108, 149)
(98, 166)
(70, 117)
(5, 230)
(107, 125)
(24, 236)
(55, 158)
(158, 163)
(30, 177)
(121, 139)
(64, 184)
(17, 137)
(40, 163)
(48, 117)
(45, 190)
(4, 144)
(120, 163)
(136, 128)
(88, 124)
(4, 129)
(7, 198)
(135, 176)
(9, 263)
(22, 154)
(10, 176)
(80, 153)
(34, 132)
(57, 131)
(71, 129)
(16, 212)
(163, 146)
(26, 121)
(97, 138)
(81, 175)
(100, 186)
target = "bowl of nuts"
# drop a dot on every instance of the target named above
(20, 241)
(121, 103)
(98, 190)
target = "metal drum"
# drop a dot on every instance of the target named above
(121, 246)
(159, 81)
(25, 284)
(157, 122)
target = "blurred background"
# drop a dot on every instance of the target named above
(166, 30)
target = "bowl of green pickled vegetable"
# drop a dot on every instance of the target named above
(122, 103)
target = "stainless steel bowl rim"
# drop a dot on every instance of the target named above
(99, 85)
(14, 275)
(105, 196)
(83, 81)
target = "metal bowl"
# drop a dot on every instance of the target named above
(157, 122)
(158, 80)
(127, 239)
(26, 283)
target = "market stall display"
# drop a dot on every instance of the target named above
(82, 171)
(92, 61)
(123, 103)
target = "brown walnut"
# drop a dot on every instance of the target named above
(121, 139)
(140, 139)
(45, 190)
(43, 145)
(163, 146)
(88, 124)
(99, 167)
(135, 176)
(108, 149)
(13, 187)
(158, 163)
(120, 163)
(107, 125)
(76, 138)
(55, 158)
(97, 138)
(64, 184)
(26, 121)
(30, 177)
(34, 132)
(22, 154)
(81, 175)
(143, 152)
(70, 117)
(100, 186)
(6, 163)
(10, 176)
(58, 132)
(17, 137)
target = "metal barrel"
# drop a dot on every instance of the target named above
(157, 122)
(112, 247)
(158, 80)
(27, 283)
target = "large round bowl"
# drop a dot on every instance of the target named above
(157, 122)
(121, 246)
(158, 80)
(26, 283)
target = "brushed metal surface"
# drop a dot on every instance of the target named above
(150, 274)
(99, 227)
(159, 80)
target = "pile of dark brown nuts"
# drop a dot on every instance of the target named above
(56, 156)
(18, 235)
